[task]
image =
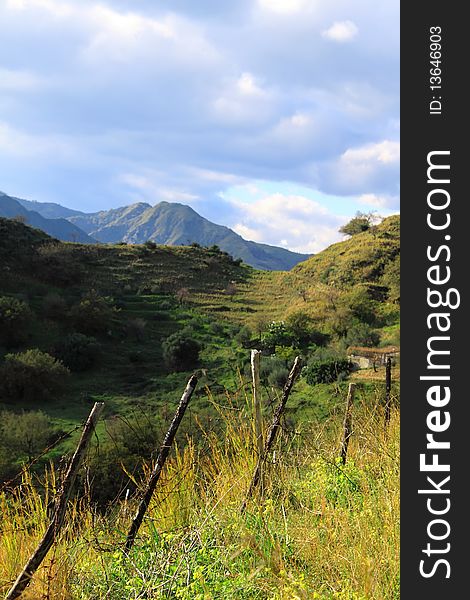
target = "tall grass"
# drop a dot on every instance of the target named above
(321, 530)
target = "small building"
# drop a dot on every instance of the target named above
(367, 358)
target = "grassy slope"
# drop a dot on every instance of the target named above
(142, 281)
(321, 532)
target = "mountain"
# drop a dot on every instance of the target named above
(179, 225)
(59, 228)
(49, 210)
(169, 224)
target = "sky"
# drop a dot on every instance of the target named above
(277, 118)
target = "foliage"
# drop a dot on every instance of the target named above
(277, 334)
(93, 314)
(358, 224)
(15, 317)
(25, 434)
(244, 336)
(319, 531)
(32, 375)
(326, 371)
(361, 334)
(78, 352)
(181, 351)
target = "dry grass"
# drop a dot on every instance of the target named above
(320, 531)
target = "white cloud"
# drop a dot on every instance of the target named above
(341, 31)
(150, 187)
(21, 145)
(387, 202)
(385, 152)
(284, 7)
(191, 98)
(243, 101)
(289, 220)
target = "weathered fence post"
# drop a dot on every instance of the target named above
(347, 431)
(271, 436)
(388, 389)
(258, 428)
(161, 459)
(57, 520)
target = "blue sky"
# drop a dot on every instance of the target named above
(278, 118)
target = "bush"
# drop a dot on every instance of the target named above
(15, 318)
(32, 375)
(277, 335)
(180, 351)
(243, 337)
(361, 334)
(78, 352)
(273, 371)
(25, 434)
(278, 376)
(93, 314)
(326, 371)
(217, 328)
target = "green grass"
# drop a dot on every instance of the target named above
(321, 530)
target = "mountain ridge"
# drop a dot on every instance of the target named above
(167, 223)
(11, 207)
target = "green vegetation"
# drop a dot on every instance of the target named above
(127, 324)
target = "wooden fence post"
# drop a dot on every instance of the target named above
(24, 578)
(271, 436)
(258, 422)
(388, 389)
(161, 459)
(347, 423)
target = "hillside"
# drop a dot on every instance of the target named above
(57, 227)
(127, 324)
(169, 224)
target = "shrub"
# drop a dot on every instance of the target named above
(27, 433)
(276, 335)
(361, 334)
(15, 318)
(180, 351)
(150, 245)
(273, 371)
(32, 375)
(278, 376)
(326, 371)
(78, 352)
(93, 314)
(217, 328)
(243, 337)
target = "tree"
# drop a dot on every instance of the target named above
(15, 318)
(359, 223)
(31, 375)
(78, 352)
(182, 295)
(181, 351)
(93, 314)
(27, 433)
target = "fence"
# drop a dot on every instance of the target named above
(263, 446)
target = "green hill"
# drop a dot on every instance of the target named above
(170, 224)
(131, 322)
